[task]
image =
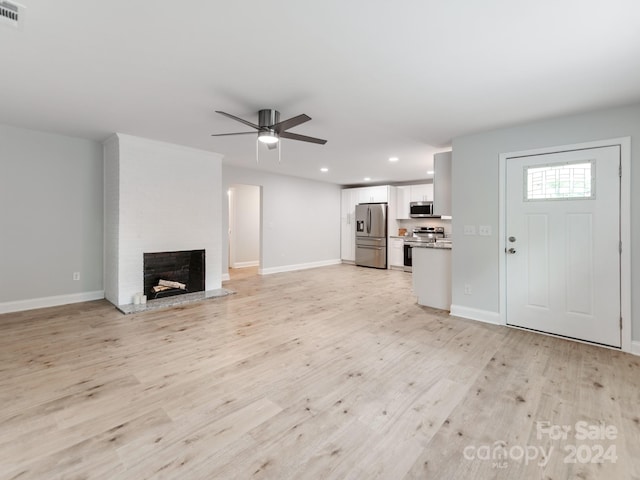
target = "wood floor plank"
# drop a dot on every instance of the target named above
(175, 454)
(332, 372)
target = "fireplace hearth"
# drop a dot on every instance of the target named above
(182, 271)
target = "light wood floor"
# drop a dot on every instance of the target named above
(326, 373)
(243, 273)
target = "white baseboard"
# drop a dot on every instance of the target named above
(225, 277)
(476, 314)
(635, 347)
(255, 263)
(33, 303)
(300, 266)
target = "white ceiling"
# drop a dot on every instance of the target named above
(379, 78)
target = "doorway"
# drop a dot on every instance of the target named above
(563, 267)
(244, 230)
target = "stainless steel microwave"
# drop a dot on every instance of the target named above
(421, 209)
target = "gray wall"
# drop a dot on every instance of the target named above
(50, 214)
(475, 195)
(301, 218)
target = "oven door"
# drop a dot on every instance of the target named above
(408, 262)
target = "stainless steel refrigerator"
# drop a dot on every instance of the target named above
(371, 235)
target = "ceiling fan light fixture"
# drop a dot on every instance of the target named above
(268, 137)
(270, 128)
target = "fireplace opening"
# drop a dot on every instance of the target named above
(173, 273)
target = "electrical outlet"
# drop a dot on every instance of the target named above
(76, 275)
(467, 289)
(484, 230)
(469, 229)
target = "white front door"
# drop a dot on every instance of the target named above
(562, 246)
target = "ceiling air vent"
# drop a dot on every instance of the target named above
(10, 13)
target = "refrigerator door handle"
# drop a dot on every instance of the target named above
(368, 219)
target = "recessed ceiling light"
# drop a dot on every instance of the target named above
(324, 169)
(430, 172)
(367, 179)
(393, 159)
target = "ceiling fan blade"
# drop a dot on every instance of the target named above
(290, 123)
(238, 119)
(272, 146)
(302, 138)
(236, 133)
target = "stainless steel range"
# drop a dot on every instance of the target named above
(420, 235)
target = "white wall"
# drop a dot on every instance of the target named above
(300, 220)
(50, 219)
(475, 196)
(169, 198)
(111, 206)
(245, 225)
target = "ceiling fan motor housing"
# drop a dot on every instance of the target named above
(266, 118)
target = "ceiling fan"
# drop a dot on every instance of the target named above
(271, 129)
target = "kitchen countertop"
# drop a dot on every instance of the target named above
(438, 244)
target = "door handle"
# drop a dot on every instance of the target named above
(511, 251)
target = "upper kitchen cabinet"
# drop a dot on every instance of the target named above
(442, 184)
(403, 198)
(422, 193)
(379, 194)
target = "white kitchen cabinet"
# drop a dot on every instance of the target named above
(377, 194)
(392, 212)
(422, 193)
(380, 194)
(432, 276)
(396, 253)
(364, 195)
(403, 198)
(348, 224)
(442, 184)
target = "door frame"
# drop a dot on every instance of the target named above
(625, 226)
(231, 227)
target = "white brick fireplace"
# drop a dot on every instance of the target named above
(158, 197)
